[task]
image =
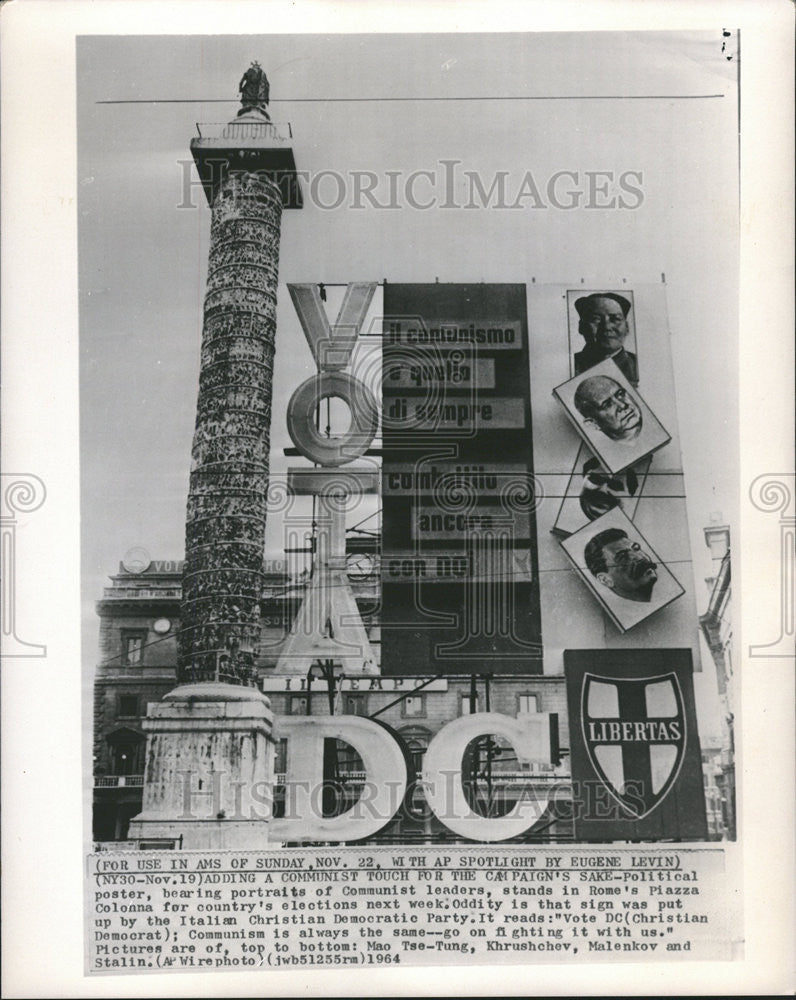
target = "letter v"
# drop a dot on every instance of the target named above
(332, 346)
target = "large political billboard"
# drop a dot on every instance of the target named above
(460, 587)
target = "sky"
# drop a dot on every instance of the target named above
(659, 105)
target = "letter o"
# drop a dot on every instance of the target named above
(339, 449)
(315, 184)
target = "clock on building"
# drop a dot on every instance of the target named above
(360, 566)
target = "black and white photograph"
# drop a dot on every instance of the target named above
(611, 416)
(620, 568)
(382, 493)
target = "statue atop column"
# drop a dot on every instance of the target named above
(254, 90)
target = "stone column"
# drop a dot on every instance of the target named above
(210, 749)
(225, 523)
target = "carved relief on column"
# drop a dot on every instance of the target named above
(225, 523)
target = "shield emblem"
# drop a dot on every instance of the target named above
(634, 731)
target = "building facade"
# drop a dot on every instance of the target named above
(716, 627)
(139, 630)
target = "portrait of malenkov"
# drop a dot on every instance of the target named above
(611, 416)
(621, 569)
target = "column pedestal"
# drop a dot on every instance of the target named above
(209, 768)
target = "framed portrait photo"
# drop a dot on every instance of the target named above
(591, 492)
(602, 323)
(621, 569)
(611, 417)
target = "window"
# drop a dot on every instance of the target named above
(133, 647)
(527, 704)
(280, 757)
(128, 706)
(413, 706)
(417, 806)
(465, 705)
(416, 740)
(280, 766)
(126, 748)
(417, 749)
(124, 757)
(297, 704)
(355, 704)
